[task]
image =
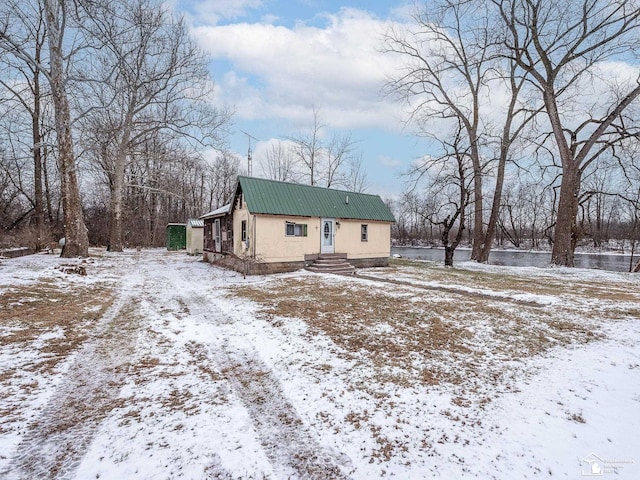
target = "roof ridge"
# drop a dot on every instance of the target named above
(305, 185)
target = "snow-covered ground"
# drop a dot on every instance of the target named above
(156, 365)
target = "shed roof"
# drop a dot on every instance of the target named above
(281, 198)
(219, 212)
(195, 223)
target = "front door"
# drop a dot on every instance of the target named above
(327, 235)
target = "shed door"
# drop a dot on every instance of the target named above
(327, 235)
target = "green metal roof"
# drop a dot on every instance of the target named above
(281, 198)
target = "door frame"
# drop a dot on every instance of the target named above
(324, 247)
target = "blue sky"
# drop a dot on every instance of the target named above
(274, 61)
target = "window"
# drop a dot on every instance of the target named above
(217, 224)
(208, 236)
(295, 229)
(364, 233)
(244, 231)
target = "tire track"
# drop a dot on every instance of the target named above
(57, 440)
(292, 448)
(288, 443)
(452, 290)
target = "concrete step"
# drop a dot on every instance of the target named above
(332, 255)
(342, 270)
(330, 261)
(335, 263)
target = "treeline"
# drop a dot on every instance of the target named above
(162, 187)
(608, 216)
(107, 129)
(531, 111)
(108, 133)
(159, 190)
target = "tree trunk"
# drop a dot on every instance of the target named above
(37, 176)
(47, 190)
(566, 233)
(483, 255)
(115, 224)
(75, 231)
(448, 255)
(505, 145)
(118, 184)
(117, 190)
(37, 153)
(478, 213)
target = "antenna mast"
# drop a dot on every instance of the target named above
(249, 160)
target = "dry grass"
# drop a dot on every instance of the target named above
(51, 321)
(202, 362)
(62, 317)
(474, 347)
(408, 336)
(507, 281)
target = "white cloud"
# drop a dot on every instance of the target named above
(213, 11)
(286, 71)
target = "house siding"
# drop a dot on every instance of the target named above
(274, 246)
(378, 244)
(239, 246)
(269, 243)
(195, 240)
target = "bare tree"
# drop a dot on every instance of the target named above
(443, 79)
(14, 206)
(133, 90)
(448, 190)
(562, 46)
(451, 63)
(279, 163)
(522, 213)
(337, 154)
(222, 175)
(20, 30)
(76, 237)
(155, 78)
(23, 54)
(27, 94)
(356, 177)
(405, 210)
(307, 147)
(633, 229)
(323, 162)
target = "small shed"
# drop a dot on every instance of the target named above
(195, 236)
(176, 236)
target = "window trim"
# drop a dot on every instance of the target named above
(364, 232)
(297, 232)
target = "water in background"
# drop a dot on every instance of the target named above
(516, 258)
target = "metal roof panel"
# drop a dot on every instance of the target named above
(195, 223)
(218, 212)
(282, 198)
